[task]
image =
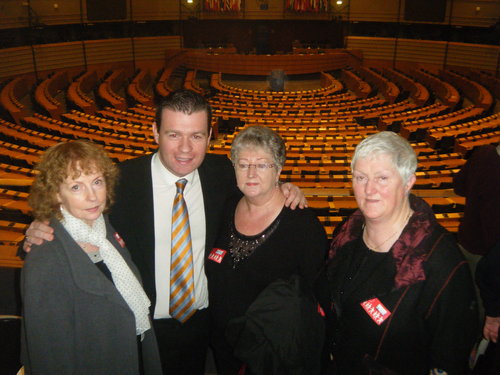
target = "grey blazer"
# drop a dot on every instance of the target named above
(75, 320)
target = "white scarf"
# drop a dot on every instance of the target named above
(123, 278)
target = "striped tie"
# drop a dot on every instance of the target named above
(181, 261)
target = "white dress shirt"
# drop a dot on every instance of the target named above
(164, 191)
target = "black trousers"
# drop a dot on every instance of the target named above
(183, 346)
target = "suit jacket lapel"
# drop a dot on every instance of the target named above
(143, 211)
(211, 199)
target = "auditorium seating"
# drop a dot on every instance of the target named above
(109, 90)
(393, 121)
(80, 92)
(386, 88)
(488, 80)
(330, 86)
(140, 87)
(321, 128)
(190, 82)
(447, 93)
(466, 144)
(418, 92)
(133, 131)
(354, 83)
(476, 92)
(47, 91)
(13, 93)
(418, 129)
(453, 133)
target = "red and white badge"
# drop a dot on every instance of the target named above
(119, 239)
(217, 255)
(376, 310)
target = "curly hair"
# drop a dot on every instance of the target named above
(64, 160)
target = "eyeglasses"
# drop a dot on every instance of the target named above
(260, 167)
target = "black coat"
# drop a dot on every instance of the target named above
(433, 313)
(282, 331)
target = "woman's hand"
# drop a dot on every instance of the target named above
(293, 196)
(37, 233)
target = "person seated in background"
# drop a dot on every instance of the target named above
(84, 308)
(261, 240)
(397, 292)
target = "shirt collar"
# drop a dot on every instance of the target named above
(168, 177)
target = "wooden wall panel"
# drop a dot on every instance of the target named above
(475, 56)
(50, 57)
(59, 56)
(373, 48)
(428, 52)
(108, 50)
(263, 64)
(154, 47)
(421, 51)
(14, 61)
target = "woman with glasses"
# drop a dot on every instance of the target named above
(261, 241)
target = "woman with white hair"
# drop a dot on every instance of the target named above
(399, 294)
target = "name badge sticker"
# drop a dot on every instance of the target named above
(119, 239)
(217, 255)
(376, 310)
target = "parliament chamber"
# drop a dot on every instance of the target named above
(443, 113)
(356, 69)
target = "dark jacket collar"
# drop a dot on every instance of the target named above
(409, 251)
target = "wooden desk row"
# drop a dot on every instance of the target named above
(12, 94)
(80, 91)
(418, 92)
(420, 128)
(476, 92)
(447, 93)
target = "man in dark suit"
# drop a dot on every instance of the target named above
(143, 208)
(142, 216)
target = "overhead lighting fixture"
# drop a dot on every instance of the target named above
(189, 1)
(339, 2)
